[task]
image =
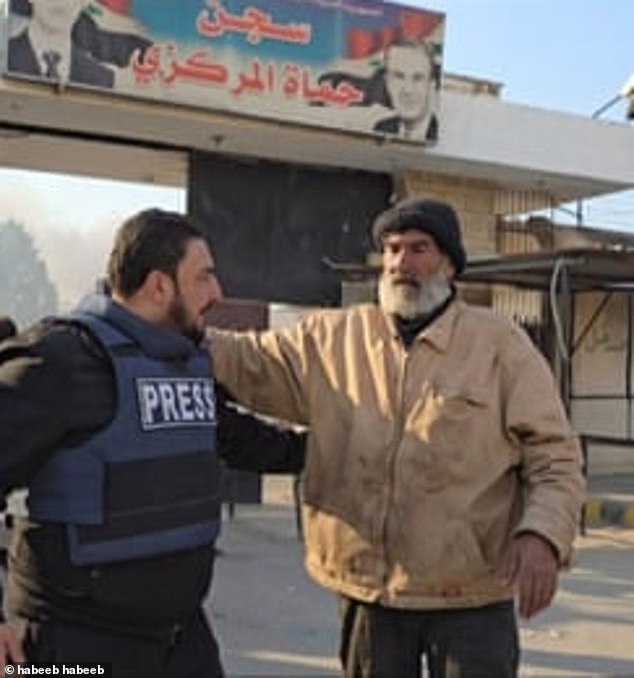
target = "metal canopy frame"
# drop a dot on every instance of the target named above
(586, 269)
(563, 274)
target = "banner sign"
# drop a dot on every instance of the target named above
(359, 65)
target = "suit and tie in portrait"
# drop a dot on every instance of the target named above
(83, 68)
(63, 42)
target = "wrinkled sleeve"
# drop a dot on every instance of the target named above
(550, 453)
(249, 443)
(265, 371)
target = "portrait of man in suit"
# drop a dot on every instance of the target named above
(46, 48)
(412, 80)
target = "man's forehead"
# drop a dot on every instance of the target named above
(198, 252)
(407, 55)
(410, 236)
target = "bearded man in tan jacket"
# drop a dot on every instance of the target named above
(443, 482)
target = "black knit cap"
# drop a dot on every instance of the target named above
(433, 217)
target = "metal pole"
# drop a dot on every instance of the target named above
(597, 114)
(606, 105)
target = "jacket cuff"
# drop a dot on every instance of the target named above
(563, 552)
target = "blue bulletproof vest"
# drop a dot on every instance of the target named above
(147, 483)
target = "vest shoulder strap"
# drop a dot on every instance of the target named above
(106, 333)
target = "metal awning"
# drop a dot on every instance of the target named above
(588, 269)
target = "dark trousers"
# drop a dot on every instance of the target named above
(190, 652)
(381, 642)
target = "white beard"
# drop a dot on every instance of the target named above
(415, 299)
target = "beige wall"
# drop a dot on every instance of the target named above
(474, 201)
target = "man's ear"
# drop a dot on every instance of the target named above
(448, 268)
(158, 287)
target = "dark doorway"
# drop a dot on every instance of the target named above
(271, 225)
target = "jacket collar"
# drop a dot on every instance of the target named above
(439, 332)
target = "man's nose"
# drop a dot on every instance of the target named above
(217, 294)
(400, 262)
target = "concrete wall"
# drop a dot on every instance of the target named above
(482, 138)
(473, 199)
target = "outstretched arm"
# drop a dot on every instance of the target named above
(249, 443)
(265, 371)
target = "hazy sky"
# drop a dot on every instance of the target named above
(72, 220)
(568, 55)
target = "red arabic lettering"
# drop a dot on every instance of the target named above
(343, 94)
(292, 80)
(253, 23)
(256, 81)
(145, 67)
(297, 81)
(199, 68)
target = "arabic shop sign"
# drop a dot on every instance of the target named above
(359, 65)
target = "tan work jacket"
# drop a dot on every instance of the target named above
(422, 463)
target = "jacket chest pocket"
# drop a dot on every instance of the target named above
(451, 428)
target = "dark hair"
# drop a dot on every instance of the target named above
(152, 240)
(8, 328)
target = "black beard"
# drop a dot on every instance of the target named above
(178, 317)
